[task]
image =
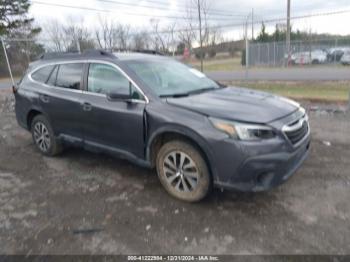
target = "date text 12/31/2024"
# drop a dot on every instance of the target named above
(173, 258)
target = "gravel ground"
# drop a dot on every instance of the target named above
(83, 203)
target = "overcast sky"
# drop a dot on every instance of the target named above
(138, 15)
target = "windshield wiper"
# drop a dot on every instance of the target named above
(202, 90)
(193, 92)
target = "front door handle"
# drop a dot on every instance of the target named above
(87, 107)
(45, 98)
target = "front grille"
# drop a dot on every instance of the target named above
(297, 130)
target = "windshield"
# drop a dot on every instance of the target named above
(171, 78)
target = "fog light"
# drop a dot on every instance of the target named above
(265, 178)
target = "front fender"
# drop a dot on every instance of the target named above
(188, 133)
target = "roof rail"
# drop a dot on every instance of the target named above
(98, 52)
(147, 51)
(53, 55)
(89, 52)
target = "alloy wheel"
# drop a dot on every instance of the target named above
(181, 171)
(42, 136)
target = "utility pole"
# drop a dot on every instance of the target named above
(246, 46)
(8, 62)
(200, 33)
(78, 45)
(252, 24)
(288, 32)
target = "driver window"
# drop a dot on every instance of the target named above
(103, 79)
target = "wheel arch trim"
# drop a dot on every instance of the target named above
(189, 134)
(34, 109)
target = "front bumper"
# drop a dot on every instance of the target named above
(265, 170)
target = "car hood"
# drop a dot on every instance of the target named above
(240, 104)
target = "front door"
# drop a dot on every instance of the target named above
(113, 125)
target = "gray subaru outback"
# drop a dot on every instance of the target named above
(162, 114)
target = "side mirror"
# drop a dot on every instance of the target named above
(119, 95)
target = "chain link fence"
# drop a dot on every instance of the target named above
(320, 52)
(330, 52)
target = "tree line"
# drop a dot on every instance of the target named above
(279, 35)
(31, 40)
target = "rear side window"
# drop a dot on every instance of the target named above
(42, 74)
(69, 76)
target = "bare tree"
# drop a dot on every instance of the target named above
(123, 36)
(214, 36)
(54, 31)
(163, 38)
(141, 40)
(157, 37)
(204, 10)
(111, 35)
(189, 32)
(172, 36)
(196, 25)
(105, 34)
(70, 36)
(78, 34)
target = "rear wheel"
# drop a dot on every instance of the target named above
(43, 136)
(182, 171)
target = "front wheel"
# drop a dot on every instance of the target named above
(183, 172)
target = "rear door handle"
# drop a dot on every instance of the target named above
(45, 98)
(87, 106)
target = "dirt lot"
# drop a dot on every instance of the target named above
(82, 203)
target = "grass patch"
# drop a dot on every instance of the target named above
(317, 91)
(227, 64)
(231, 64)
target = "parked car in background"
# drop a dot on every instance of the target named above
(345, 60)
(161, 114)
(314, 57)
(336, 54)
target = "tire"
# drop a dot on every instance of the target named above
(192, 182)
(43, 137)
(315, 62)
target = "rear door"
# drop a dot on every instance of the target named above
(113, 125)
(60, 99)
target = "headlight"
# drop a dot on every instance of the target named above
(243, 131)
